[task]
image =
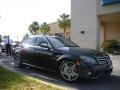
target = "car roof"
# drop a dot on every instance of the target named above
(47, 36)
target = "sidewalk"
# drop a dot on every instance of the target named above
(114, 56)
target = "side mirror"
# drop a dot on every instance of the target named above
(44, 45)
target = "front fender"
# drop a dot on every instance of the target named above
(67, 57)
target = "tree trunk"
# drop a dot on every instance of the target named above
(64, 33)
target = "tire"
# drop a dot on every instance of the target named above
(0, 50)
(69, 71)
(18, 61)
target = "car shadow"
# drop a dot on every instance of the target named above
(110, 83)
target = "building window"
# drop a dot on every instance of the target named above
(59, 34)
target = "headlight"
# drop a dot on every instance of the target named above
(88, 59)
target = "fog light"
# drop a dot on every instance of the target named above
(89, 73)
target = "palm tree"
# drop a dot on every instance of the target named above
(25, 36)
(44, 28)
(64, 23)
(34, 27)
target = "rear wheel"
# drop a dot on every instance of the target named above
(0, 49)
(18, 61)
(69, 71)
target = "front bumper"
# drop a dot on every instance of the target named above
(96, 71)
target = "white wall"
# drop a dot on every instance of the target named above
(84, 19)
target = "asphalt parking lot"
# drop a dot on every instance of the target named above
(110, 83)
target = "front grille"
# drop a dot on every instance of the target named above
(102, 60)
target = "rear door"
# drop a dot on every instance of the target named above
(27, 51)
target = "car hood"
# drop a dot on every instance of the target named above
(80, 51)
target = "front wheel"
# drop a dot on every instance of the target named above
(69, 71)
(18, 61)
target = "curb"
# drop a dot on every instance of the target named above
(41, 81)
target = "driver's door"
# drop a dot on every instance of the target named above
(43, 55)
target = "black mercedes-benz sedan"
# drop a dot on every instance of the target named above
(63, 56)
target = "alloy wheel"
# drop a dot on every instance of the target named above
(69, 71)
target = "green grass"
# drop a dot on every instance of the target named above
(13, 81)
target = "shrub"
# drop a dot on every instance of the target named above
(109, 45)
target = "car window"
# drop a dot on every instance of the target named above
(29, 41)
(39, 41)
(61, 42)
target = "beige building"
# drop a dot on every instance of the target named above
(55, 30)
(94, 21)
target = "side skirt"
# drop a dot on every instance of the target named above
(39, 67)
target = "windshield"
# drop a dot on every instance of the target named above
(61, 42)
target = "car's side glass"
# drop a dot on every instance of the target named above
(29, 41)
(39, 41)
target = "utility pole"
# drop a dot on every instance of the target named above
(17, 37)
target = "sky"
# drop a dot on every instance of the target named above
(17, 15)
